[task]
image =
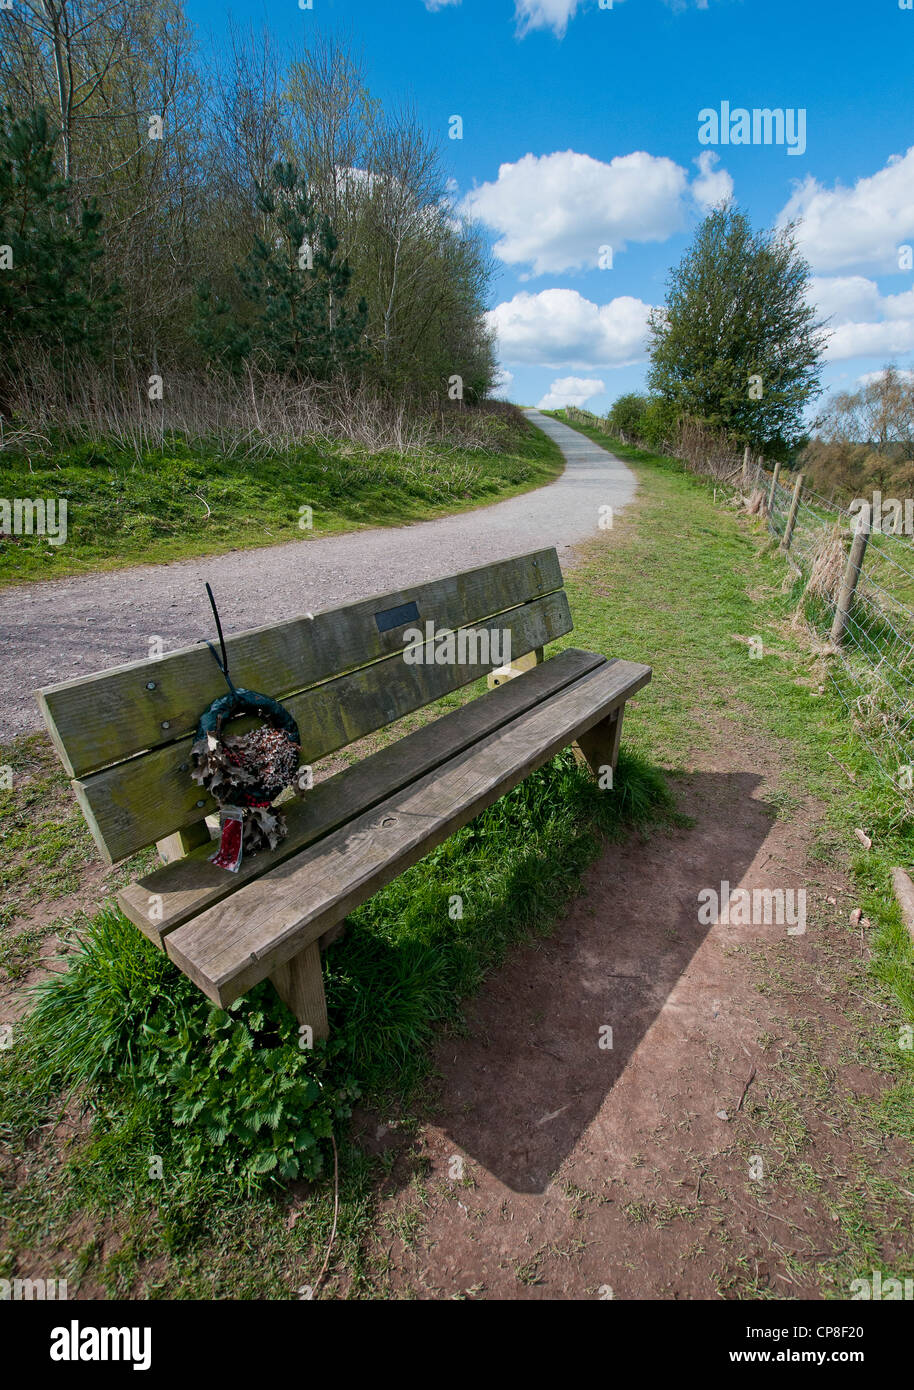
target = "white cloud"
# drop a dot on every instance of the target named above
(871, 340)
(859, 226)
(844, 298)
(713, 186)
(869, 377)
(503, 383)
(571, 390)
(560, 328)
(555, 211)
(544, 14)
(556, 14)
(863, 322)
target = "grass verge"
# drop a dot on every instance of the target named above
(722, 582)
(683, 587)
(186, 502)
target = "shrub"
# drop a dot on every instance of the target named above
(658, 423)
(235, 1098)
(625, 415)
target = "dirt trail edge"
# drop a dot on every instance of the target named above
(60, 629)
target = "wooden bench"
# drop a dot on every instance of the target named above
(124, 736)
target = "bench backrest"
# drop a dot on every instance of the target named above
(124, 735)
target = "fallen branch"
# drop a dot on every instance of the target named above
(851, 775)
(336, 1212)
(904, 892)
(745, 1088)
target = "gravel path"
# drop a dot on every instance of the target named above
(56, 630)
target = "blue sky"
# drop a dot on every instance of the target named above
(581, 130)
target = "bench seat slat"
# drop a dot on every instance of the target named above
(234, 945)
(171, 895)
(138, 802)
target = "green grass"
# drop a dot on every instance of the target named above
(223, 1104)
(720, 578)
(681, 580)
(44, 847)
(186, 503)
(41, 852)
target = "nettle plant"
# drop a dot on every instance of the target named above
(235, 1093)
(245, 1109)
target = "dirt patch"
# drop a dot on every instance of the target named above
(711, 1151)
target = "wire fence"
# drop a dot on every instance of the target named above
(857, 594)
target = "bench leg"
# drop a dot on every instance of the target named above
(518, 666)
(600, 745)
(180, 844)
(300, 984)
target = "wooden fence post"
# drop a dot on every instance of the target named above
(851, 575)
(746, 464)
(774, 483)
(792, 514)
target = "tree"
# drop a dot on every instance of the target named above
(117, 79)
(178, 148)
(294, 317)
(248, 128)
(60, 52)
(657, 426)
(626, 412)
(332, 120)
(423, 271)
(50, 296)
(736, 345)
(880, 413)
(865, 438)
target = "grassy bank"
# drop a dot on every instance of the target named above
(185, 502)
(722, 581)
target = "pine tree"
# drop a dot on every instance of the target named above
(293, 316)
(51, 295)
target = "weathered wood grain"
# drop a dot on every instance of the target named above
(100, 719)
(138, 802)
(300, 984)
(171, 895)
(178, 846)
(600, 745)
(231, 947)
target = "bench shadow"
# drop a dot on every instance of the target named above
(516, 1094)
